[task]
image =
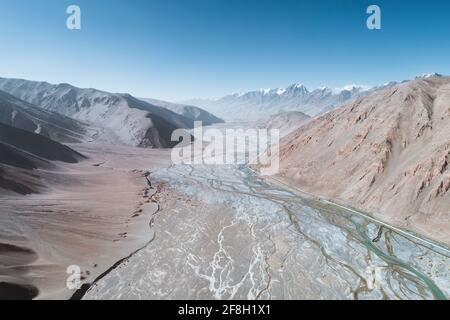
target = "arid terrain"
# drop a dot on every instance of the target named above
(247, 150)
(90, 214)
(387, 153)
(224, 233)
(76, 193)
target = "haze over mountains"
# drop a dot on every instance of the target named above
(124, 118)
(263, 103)
(387, 153)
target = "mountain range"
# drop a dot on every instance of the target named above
(122, 118)
(74, 185)
(23, 115)
(387, 153)
(264, 103)
(254, 105)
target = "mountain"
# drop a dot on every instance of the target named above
(263, 103)
(21, 152)
(191, 112)
(20, 114)
(429, 75)
(387, 153)
(286, 122)
(128, 120)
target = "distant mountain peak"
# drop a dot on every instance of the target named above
(265, 91)
(297, 97)
(297, 86)
(352, 87)
(429, 75)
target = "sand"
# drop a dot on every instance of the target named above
(91, 214)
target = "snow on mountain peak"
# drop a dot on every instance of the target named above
(265, 91)
(351, 87)
(281, 91)
(429, 75)
(296, 97)
(299, 86)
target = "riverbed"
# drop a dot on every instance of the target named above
(223, 232)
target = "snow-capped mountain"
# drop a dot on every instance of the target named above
(429, 75)
(127, 119)
(266, 102)
(387, 153)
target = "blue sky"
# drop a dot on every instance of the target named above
(179, 49)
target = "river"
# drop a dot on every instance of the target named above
(225, 233)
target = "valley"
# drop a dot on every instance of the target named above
(225, 233)
(87, 179)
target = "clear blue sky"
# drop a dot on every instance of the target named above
(178, 49)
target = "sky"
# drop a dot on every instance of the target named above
(180, 49)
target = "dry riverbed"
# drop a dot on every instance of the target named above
(224, 233)
(140, 228)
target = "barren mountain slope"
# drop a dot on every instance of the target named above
(388, 153)
(23, 115)
(188, 111)
(286, 122)
(21, 152)
(134, 122)
(90, 214)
